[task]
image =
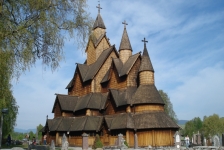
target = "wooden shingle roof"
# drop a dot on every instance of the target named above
(147, 94)
(92, 101)
(124, 69)
(99, 22)
(122, 96)
(66, 102)
(125, 42)
(85, 123)
(146, 64)
(145, 120)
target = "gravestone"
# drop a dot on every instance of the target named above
(216, 141)
(194, 139)
(198, 138)
(52, 145)
(136, 141)
(223, 139)
(177, 140)
(205, 142)
(85, 144)
(64, 143)
(120, 137)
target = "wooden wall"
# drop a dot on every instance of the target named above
(124, 55)
(91, 53)
(147, 107)
(80, 88)
(101, 47)
(133, 74)
(57, 110)
(146, 77)
(95, 84)
(117, 82)
(67, 114)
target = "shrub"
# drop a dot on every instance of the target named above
(97, 142)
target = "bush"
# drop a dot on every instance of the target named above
(126, 143)
(97, 143)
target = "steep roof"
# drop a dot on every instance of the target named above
(122, 96)
(99, 22)
(146, 64)
(125, 42)
(92, 101)
(145, 120)
(123, 69)
(120, 121)
(85, 123)
(67, 102)
(147, 94)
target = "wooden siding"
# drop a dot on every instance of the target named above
(155, 137)
(101, 47)
(91, 53)
(112, 109)
(124, 55)
(133, 74)
(146, 77)
(57, 110)
(98, 32)
(117, 82)
(80, 88)
(147, 107)
(95, 84)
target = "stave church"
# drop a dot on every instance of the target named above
(111, 93)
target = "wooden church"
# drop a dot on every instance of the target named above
(112, 92)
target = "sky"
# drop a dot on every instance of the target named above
(185, 44)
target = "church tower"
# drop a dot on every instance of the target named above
(146, 71)
(125, 49)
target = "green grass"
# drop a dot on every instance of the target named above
(11, 146)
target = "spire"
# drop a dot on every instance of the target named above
(146, 64)
(125, 43)
(99, 21)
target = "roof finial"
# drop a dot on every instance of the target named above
(125, 23)
(144, 42)
(98, 7)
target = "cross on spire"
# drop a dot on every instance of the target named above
(125, 23)
(144, 42)
(98, 7)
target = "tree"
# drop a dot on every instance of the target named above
(193, 126)
(32, 30)
(6, 98)
(36, 29)
(39, 127)
(213, 125)
(168, 106)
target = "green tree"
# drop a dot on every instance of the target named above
(193, 125)
(168, 106)
(6, 98)
(213, 125)
(39, 127)
(37, 29)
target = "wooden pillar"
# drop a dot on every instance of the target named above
(57, 139)
(170, 139)
(127, 136)
(153, 138)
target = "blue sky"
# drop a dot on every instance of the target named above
(185, 44)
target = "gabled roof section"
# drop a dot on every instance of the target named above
(125, 42)
(70, 84)
(83, 69)
(118, 64)
(146, 64)
(129, 64)
(92, 101)
(99, 22)
(147, 94)
(122, 96)
(94, 68)
(66, 102)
